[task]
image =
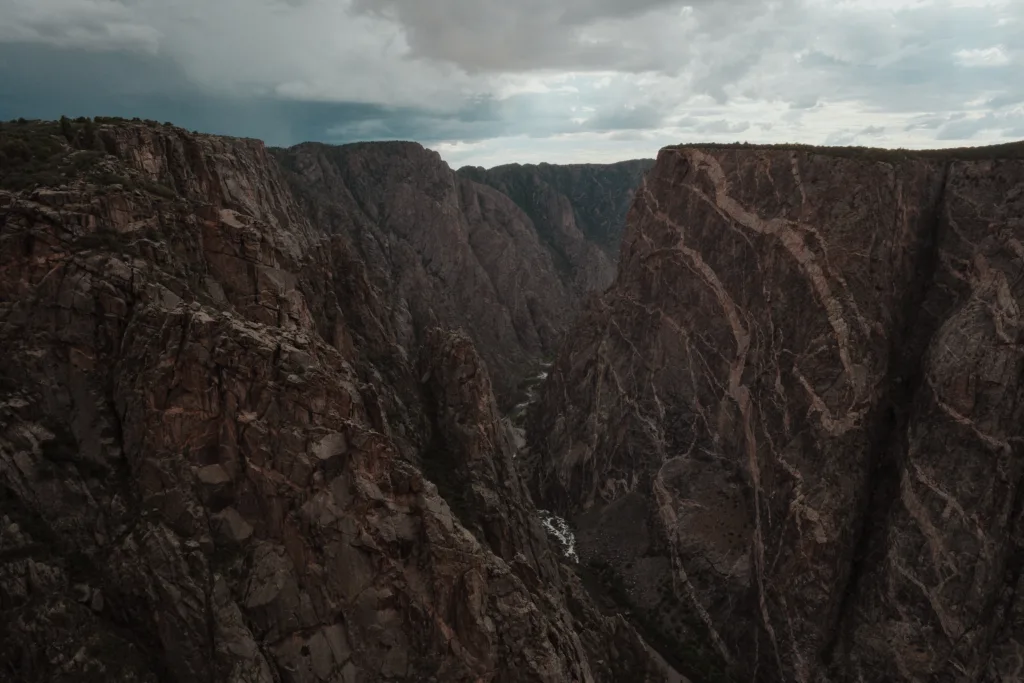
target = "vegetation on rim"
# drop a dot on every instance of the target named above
(1009, 150)
(54, 153)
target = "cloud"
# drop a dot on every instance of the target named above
(723, 126)
(496, 35)
(480, 76)
(90, 24)
(313, 50)
(989, 56)
(964, 128)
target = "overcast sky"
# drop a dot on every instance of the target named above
(486, 82)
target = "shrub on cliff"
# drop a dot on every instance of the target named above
(66, 129)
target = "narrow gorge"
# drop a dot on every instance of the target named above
(247, 426)
(341, 414)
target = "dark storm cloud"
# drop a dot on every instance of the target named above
(626, 117)
(44, 82)
(462, 72)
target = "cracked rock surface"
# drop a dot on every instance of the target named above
(216, 419)
(579, 211)
(790, 434)
(511, 269)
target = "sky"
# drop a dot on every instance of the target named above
(487, 82)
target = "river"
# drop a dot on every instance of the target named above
(557, 527)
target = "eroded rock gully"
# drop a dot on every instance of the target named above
(579, 211)
(446, 249)
(225, 372)
(789, 435)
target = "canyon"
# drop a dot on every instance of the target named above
(344, 414)
(789, 435)
(246, 433)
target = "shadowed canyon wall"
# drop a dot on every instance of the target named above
(254, 413)
(790, 433)
(579, 211)
(241, 438)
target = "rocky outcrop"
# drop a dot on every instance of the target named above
(445, 250)
(790, 434)
(578, 210)
(214, 433)
(471, 460)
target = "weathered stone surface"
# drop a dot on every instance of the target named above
(444, 249)
(212, 436)
(791, 434)
(579, 211)
(231, 526)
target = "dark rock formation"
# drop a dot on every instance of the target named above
(444, 249)
(578, 210)
(215, 419)
(791, 433)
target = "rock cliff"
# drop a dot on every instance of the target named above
(790, 434)
(579, 211)
(239, 441)
(445, 249)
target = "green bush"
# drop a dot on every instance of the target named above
(158, 189)
(16, 151)
(87, 138)
(38, 153)
(108, 178)
(66, 129)
(85, 160)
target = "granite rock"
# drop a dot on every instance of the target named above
(214, 429)
(790, 433)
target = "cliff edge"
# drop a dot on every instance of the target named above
(228, 453)
(790, 434)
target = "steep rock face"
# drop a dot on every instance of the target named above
(212, 437)
(791, 431)
(472, 461)
(443, 249)
(578, 211)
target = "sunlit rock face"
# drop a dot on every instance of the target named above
(790, 433)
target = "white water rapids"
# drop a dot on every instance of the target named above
(557, 527)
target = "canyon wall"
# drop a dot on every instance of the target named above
(445, 249)
(790, 435)
(241, 439)
(579, 211)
